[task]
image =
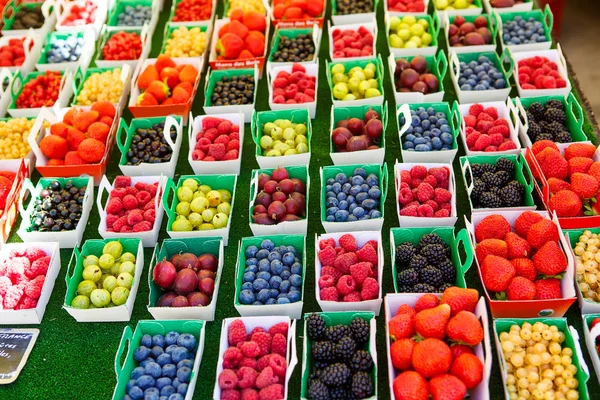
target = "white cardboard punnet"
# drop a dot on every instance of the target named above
(64, 95)
(492, 26)
(33, 315)
(526, 46)
(87, 51)
(377, 100)
(145, 36)
(590, 336)
(156, 7)
(31, 55)
(50, 17)
(311, 70)
(417, 97)
(245, 109)
(370, 25)
(194, 23)
(96, 26)
(316, 35)
(555, 55)
(434, 30)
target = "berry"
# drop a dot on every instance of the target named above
(316, 326)
(566, 203)
(410, 385)
(465, 327)
(550, 259)
(520, 288)
(431, 357)
(361, 360)
(401, 326)
(447, 387)
(362, 385)
(236, 332)
(337, 374)
(337, 332)
(492, 227)
(317, 390)
(541, 232)
(361, 330)
(546, 289)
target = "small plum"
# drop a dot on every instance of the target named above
(180, 301)
(208, 262)
(166, 299)
(196, 299)
(207, 286)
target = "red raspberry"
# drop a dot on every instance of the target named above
(278, 363)
(233, 145)
(549, 82)
(370, 289)
(250, 349)
(442, 196)
(482, 142)
(16, 268)
(26, 303)
(143, 226)
(234, 135)
(230, 155)
(211, 134)
(327, 256)
(523, 78)
(561, 83)
(367, 253)
(538, 82)
(122, 181)
(418, 172)
(472, 139)
(38, 267)
(405, 176)
(223, 139)
(278, 345)
(475, 109)
(275, 391)
(409, 211)
(281, 327)
(507, 145)
(492, 112)
(491, 148)
(373, 243)
(425, 192)
(263, 339)
(236, 332)
(5, 283)
(34, 287)
(470, 120)
(143, 197)
(484, 117)
(331, 271)
(227, 379)
(431, 203)
(348, 242)
(126, 229)
(150, 215)
(249, 394)
(230, 394)
(353, 297)
(424, 211)
(446, 206)
(497, 139)
(255, 330)
(232, 357)
(210, 122)
(405, 196)
(329, 294)
(326, 242)
(203, 144)
(528, 86)
(130, 202)
(248, 362)
(344, 261)
(443, 213)
(502, 129)
(484, 126)
(110, 220)
(430, 179)
(263, 362)
(134, 217)
(34, 253)
(12, 297)
(118, 193)
(326, 281)
(246, 377)
(224, 127)
(360, 271)
(346, 285)
(216, 150)
(114, 205)
(266, 378)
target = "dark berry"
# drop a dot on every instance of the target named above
(316, 326)
(408, 277)
(448, 271)
(504, 164)
(490, 200)
(418, 262)
(323, 351)
(361, 361)
(345, 348)
(361, 330)
(317, 390)
(404, 253)
(435, 253)
(337, 332)
(362, 385)
(423, 288)
(337, 374)
(431, 276)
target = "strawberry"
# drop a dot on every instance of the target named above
(579, 164)
(458, 349)
(550, 259)
(367, 253)
(541, 145)
(406, 309)
(595, 170)
(460, 299)
(520, 288)
(542, 232)
(580, 150)
(348, 242)
(524, 267)
(584, 185)
(492, 227)
(546, 289)
(410, 385)
(447, 387)
(544, 154)
(556, 185)
(431, 323)
(517, 246)
(427, 301)
(555, 165)
(465, 328)
(431, 357)
(496, 273)
(401, 352)
(525, 220)
(495, 247)
(401, 326)
(566, 203)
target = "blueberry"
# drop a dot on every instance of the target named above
(151, 394)
(328, 188)
(171, 338)
(362, 196)
(181, 353)
(372, 180)
(330, 218)
(360, 172)
(158, 340)
(188, 341)
(162, 382)
(358, 212)
(247, 286)
(167, 390)
(343, 205)
(295, 280)
(341, 195)
(176, 383)
(354, 190)
(251, 261)
(183, 374)
(145, 381)
(182, 389)
(274, 282)
(171, 348)
(345, 188)
(176, 396)
(137, 372)
(267, 244)
(142, 352)
(415, 122)
(374, 192)
(332, 202)
(248, 277)
(146, 341)
(153, 369)
(357, 180)
(331, 211)
(341, 178)
(436, 143)
(375, 214)
(283, 300)
(271, 301)
(136, 393)
(341, 216)
(330, 194)
(288, 258)
(466, 87)
(130, 384)
(294, 296)
(264, 275)
(351, 199)
(251, 251)
(260, 284)
(274, 255)
(247, 297)
(128, 397)
(330, 181)
(369, 204)
(284, 287)
(285, 274)
(157, 351)
(262, 253)
(500, 84)
(163, 359)
(263, 296)
(296, 268)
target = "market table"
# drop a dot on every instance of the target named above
(75, 360)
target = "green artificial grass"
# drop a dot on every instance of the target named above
(76, 360)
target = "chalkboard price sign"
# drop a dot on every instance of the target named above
(15, 346)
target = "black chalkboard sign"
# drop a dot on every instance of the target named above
(15, 346)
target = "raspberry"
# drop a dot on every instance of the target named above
(360, 271)
(442, 196)
(424, 211)
(410, 211)
(118, 193)
(472, 139)
(134, 217)
(34, 253)
(372, 243)
(344, 261)
(497, 139)
(149, 206)
(257, 329)
(475, 109)
(327, 256)
(418, 171)
(443, 213)
(430, 179)
(224, 127)
(346, 285)
(143, 197)
(492, 112)
(414, 183)
(114, 205)
(230, 394)
(263, 362)
(482, 142)
(250, 349)
(470, 120)
(150, 215)
(370, 289)
(281, 327)
(216, 150)
(26, 303)
(227, 379)
(122, 181)
(12, 297)
(352, 297)
(230, 155)
(210, 122)
(501, 122)
(266, 378)
(143, 226)
(126, 229)
(249, 394)
(507, 145)
(152, 189)
(263, 339)
(5, 283)
(34, 287)
(329, 294)
(236, 332)
(119, 224)
(232, 357)
(248, 362)
(424, 192)
(326, 242)
(484, 126)
(348, 242)
(139, 186)
(277, 362)
(339, 250)
(332, 271)
(549, 82)
(130, 202)
(233, 145)
(561, 83)
(405, 196)
(367, 253)
(270, 392)
(16, 267)
(502, 129)
(110, 220)
(279, 344)
(246, 377)
(38, 267)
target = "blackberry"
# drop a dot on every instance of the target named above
(448, 271)
(405, 253)
(491, 179)
(494, 190)
(435, 253)
(530, 117)
(430, 238)
(345, 348)
(317, 390)
(479, 169)
(431, 276)
(478, 188)
(340, 393)
(316, 326)
(504, 164)
(534, 130)
(555, 115)
(423, 288)
(337, 374)
(362, 385)
(317, 370)
(544, 136)
(336, 333)
(563, 137)
(554, 128)
(405, 289)
(490, 200)
(555, 104)
(536, 110)
(517, 185)
(361, 330)
(504, 177)
(445, 286)
(408, 277)
(511, 196)
(418, 263)
(323, 351)
(361, 361)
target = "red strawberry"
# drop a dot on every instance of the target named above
(566, 203)
(517, 246)
(496, 273)
(524, 267)
(584, 185)
(492, 227)
(546, 289)
(406, 309)
(520, 288)
(525, 220)
(427, 301)
(555, 165)
(550, 259)
(401, 352)
(580, 150)
(465, 328)
(495, 247)
(410, 385)
(431, 323)
(542, 232)
(458, 349)
(447, 387)
(556, 185)
(401, 326)
(431, 357)
(460, 299)
(579, 164)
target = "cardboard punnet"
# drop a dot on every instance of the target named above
(9, 214)
(87, 51)
(522, 175)
(39, 131)
(80, 77)
(446, 14)
(214, 167)
(229, 5)
(95, 26)
(545, 17)
(106, 314)
(374, 224)
(196, 246)
(571, 341)
(437, 65)
(348, 65)
(393, 13)
(413, 235)
(286, 227)
(299, 116)
(587, 306)
(435, 156)
(492, 25)
(433, 29)
(291, 310)
(65, 239)
(216, 182)
(526, 5)
(408, 222)
(343, 318)
(370, 25)
(555, 55)
(162, 110)
(543, 190)
(528, 308)
(312, 70)
(366, 305)
(481, 96)
(296, 22)
(506, 111)
(573, 113)
(145, 169)
(32, 46)
(483, 350)
(118, 7)
(374, 156)
(216, 64)
(18, 83)
(590, 336)
(264, 322)
(149, 238)
(108, 31)
(49, 11)
(174, 6)
(339, 19)
(204, 26)
(6, 78)
(132, 340)
(212, 77)
(33, 315)
(313, 31)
